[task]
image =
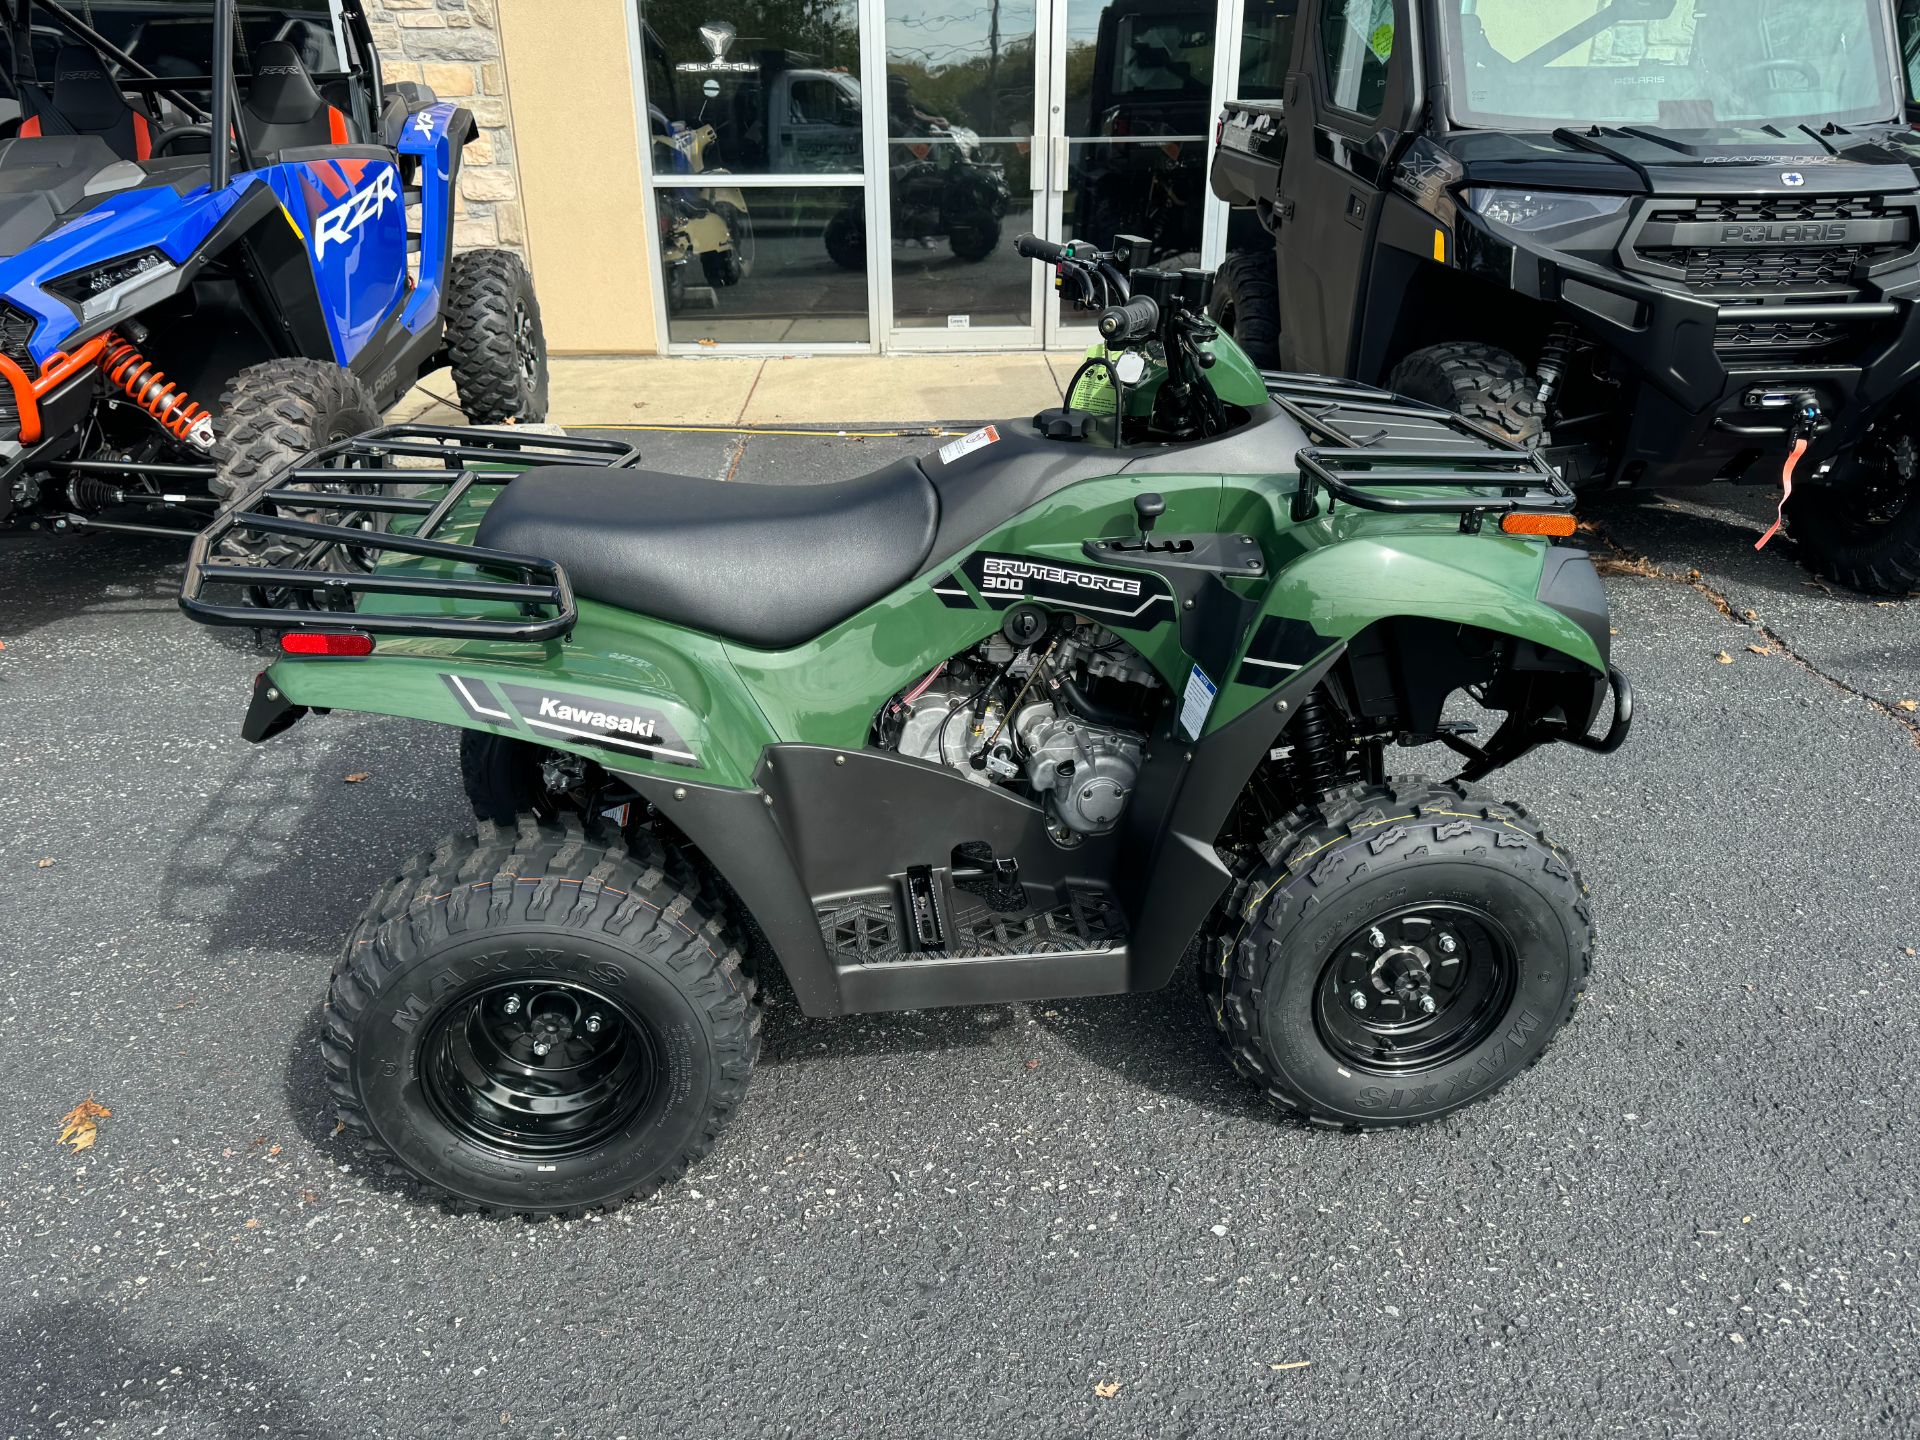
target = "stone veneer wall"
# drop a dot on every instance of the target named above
(454, 46)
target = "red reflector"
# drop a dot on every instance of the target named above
(338, 642)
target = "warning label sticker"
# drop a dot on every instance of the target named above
(967, 444)
(1197, 703)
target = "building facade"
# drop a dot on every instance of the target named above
(831, 175)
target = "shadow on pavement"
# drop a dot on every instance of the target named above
(51, 577)
(78, 1368)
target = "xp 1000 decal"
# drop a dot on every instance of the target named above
(1125, 600)
(555, 715)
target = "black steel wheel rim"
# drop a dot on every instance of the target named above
(1416, 988)
(487, 1077)
(1888, 481)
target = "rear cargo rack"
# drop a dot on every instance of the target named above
(316, 587)
(1379, 441)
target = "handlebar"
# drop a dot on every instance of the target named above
(1135, 319)
(1034, 248)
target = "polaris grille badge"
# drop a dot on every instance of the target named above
(1793, 178)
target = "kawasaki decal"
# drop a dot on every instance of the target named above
(1131, 601)
(622, 728)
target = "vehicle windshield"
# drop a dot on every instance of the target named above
(1679, 64)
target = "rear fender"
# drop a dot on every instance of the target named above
(655, 702)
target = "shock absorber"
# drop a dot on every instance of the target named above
(148, 387)
(1318, 764)
(1555, 355)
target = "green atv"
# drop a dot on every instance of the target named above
(1049, 712)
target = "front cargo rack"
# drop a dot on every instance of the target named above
(1380, 441)
(361, 486)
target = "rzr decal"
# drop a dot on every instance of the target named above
(336, 226)
(1280, 647)
(952, 593)
(627, 729)
(1131, 601)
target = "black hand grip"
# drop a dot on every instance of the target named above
(1034, 248)
(1134, 319)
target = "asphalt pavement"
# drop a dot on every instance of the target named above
(1697, 1216)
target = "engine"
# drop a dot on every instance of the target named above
(1062, 719)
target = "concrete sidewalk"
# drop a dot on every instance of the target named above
(606, 393)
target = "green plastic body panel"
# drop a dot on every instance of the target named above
(1341, 572)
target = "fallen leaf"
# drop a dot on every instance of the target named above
(1909, 705)
(1724, 658)
(253, 1224)
(80, 1127)
(45, 864)
(1751, 614)
(1759, 649)
(1291, 1365)
(1693, 574)
(1912, 951)
(1033, 1064)
(1612, 630)
(357, 776)
(274, 1151)
(1107, 1389)
(309, 1198)
(339, 1127)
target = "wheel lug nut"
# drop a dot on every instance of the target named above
(512, 1007)
(593, 1024)
(1448, 944)
(1357, 1000)
(1429, 1004)
(1377, 938)
(543, 1047)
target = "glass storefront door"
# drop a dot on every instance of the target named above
(853, 173)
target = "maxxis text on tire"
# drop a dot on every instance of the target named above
(495, 341)
(1482, 382)
(1343, 883)
(476, 954)
(1246, 304)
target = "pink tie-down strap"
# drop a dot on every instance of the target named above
(1786, 493)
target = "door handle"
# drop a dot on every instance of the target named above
(1057, 161)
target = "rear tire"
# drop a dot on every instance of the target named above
(1403, 892)
(476, 955)
(1481, 382)
(846, 240)
(1246, 305)
(496, 344)
(974, 237)
(1863, 531)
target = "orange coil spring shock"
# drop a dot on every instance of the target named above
(150, 389)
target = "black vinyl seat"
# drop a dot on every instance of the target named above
(767, 565)
(283, 110)
(86, 101)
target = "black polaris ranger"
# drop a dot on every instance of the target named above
(1669, 240)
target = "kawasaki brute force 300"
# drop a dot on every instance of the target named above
(164, 300)
(1049, 712)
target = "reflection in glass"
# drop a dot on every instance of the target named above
(1266, 48)
(1138, 104)
(776, 84)
(761, 265)
(960, 160)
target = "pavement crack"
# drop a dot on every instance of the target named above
(1618, 560)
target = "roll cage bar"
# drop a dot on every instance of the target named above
(350, 32)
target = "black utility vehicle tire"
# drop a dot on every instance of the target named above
(1246, 305)
(729, 267)
(560, 924)
(503, 779)
(1482, 382)
(974, 237)
(846, 240)
(1388, 856)
(1865, 535)
(495, 341)
(273, 413)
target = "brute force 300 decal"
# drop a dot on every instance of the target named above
(1129, 601)
(624, 729)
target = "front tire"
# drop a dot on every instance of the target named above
(539, 1022)
(495, 341)
(846, 240)
(1375, 903)
(975, 236)
(1864, 530)
(1246, 305)
(1480, 382)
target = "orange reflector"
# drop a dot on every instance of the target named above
(339, 642)
(1440, 246)
(1520, 522)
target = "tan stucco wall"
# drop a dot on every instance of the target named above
(570, 82)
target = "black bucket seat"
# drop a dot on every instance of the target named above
(86, 101)
(283, 109)
(767, 565)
